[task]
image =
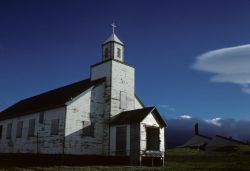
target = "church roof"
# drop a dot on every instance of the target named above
(136, 116)
(48, 100)
(113, 38)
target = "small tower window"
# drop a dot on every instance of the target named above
(118, 52)
(106, 53)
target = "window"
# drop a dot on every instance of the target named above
(19, 129)
(118, 52)
(41, 117)
(54, 127)
(1, 131)
(88, 129)
(121, 140)
(31, 130)
(153, 138)
(123, 100)
(9, 130)
(106, 53)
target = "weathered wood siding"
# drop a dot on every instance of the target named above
(42, 142)
(121, 77)
(122, 83)
(86, 108)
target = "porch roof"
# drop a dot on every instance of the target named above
(136, 116)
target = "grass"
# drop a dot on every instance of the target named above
(177, 160)
(196, 160)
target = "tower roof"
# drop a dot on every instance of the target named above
(113, 38)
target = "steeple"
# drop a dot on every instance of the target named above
(113, 48)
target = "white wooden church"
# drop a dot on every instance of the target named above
(100, 116)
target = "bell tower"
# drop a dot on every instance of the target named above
(119, 88)
(113, 48)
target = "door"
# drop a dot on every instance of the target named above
(121, 140)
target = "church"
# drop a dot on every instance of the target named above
(98, 116)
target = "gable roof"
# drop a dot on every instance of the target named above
(136, 116)
(197, 141)
(204, 136)
(231, 139)
(48, 100)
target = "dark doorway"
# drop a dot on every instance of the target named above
(121, 140)
(153, 139)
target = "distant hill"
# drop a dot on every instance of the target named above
(180, 130)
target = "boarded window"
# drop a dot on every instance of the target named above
(41, 117)
(9, 130)
(19, 129)
(32, 125)
(88, 129)
(118, 52)
(106, 53)
(123, 100)
(153, 138)
(121, 140)
(1, 131)
(54, 127)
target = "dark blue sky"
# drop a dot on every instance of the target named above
(47, 44)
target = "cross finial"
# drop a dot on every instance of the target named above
(113, 25)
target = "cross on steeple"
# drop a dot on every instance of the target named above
(113, 25)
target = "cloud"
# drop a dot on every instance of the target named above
(230, 65)
(215, 121)
(185, 117)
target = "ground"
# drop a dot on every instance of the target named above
(227, 159)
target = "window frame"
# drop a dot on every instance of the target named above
(88, 129)
(32, 128)
(153, 139)
(54, 129)
(1, 131)
(19, 129)
(9, 131)
(41, 117)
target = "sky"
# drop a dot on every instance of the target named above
(192, 57)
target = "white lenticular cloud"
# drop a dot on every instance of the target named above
(215, 121)
(185, 117)
(167, 107)
(231, 65)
